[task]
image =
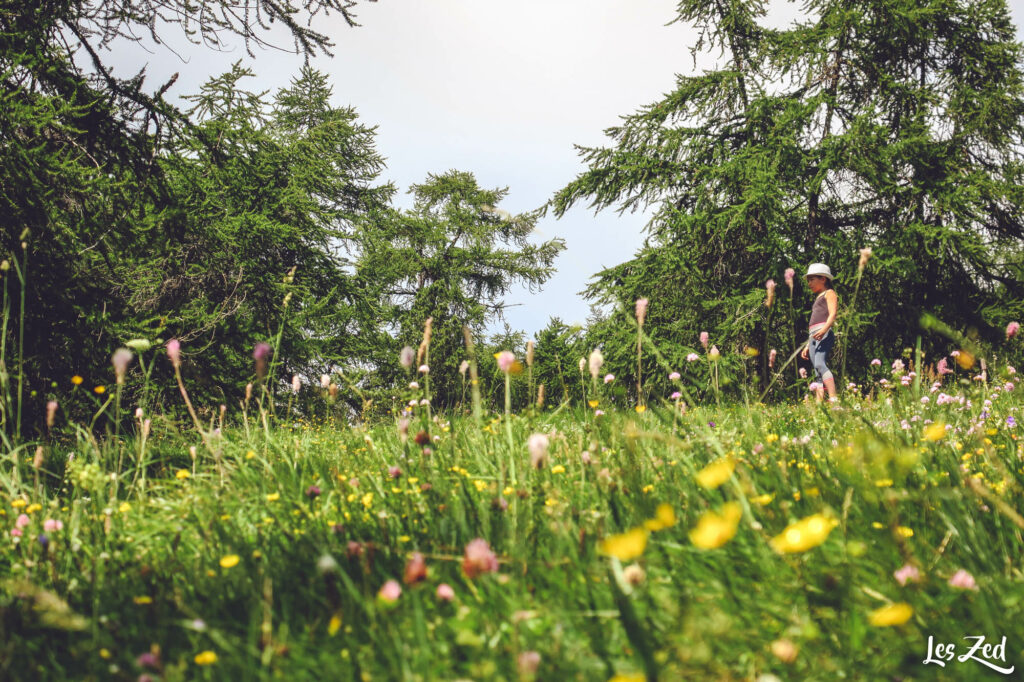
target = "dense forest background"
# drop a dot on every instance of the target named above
(246, 217)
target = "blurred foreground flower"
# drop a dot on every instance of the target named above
(664, 517)
(624, 546)
(479, 558)
(963, 580)
(390, 592)
(716, 473)
(713, 529)
(206, 658)
(803, 535)
(891, 614)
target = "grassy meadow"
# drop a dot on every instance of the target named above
(743, 542)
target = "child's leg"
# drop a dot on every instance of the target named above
(819, 359)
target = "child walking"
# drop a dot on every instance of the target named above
(823, 316)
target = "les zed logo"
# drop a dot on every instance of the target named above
(980, 652)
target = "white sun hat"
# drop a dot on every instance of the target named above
(819, 269)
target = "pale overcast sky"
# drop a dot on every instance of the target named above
(499, 88)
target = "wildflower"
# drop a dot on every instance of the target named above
(624, 546)
(296, 383)
(121, 358)
(676, 395)
(609, 378)
(583, 364)
(925, 400)
(406, 357)
(528, 662)
(770, 290)
(124, 508)
(77, 380)
(273, 497)
(865, 256)
(99, 390)
(463, 366)
(16, 532)
(1011, 422)
(963, 580)
(174, 352)
(964, 359)
(415, 569)
(908, 573)
(803, 372)
(815, 386)
(891, 614)
(424, 369)
(479, 558)
(675, 376)
(537, 444)
(182, 474)
(260, 353)
(1012, 329)
(505, 359)
(716, 473)
(595, 362)
(313, 492)
(714, 353)
(641, 311)
(934, 431)
(205, 658)
(51, 413)
(634, 574)
(22, 521)
(664, 517)
(803, 535)
(529, 353)
(785, 650)
(771, 358)
(692, 357)
(143, 600)
(326, 563)
(704, 336)
(390, 592)
(148, 659)
(53, 525)
(640, 409)
(229, 561)
(394, 472)
(445, 592)
(714, 530)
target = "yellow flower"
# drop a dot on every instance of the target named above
(664, 517)
(934, 431)
(592, 403)
(891, 614)
(143, 600)
(965, 359)
(33, 508)
(558, 469)
(182, 474)
(771, 437)
(250, 454)
(905, 531)
(99, 390)
(104, 653)
(714, 530)
(716, 473)
(367, 500)
(334, 625)
(273, 497)
(763, 499)
(629, 677)
(803, 535)
(884, 483)
(229, 561)
(19, 503)
(206, 658)
(625, 546)
(640, 408)
(77, 380)
(124, 508)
